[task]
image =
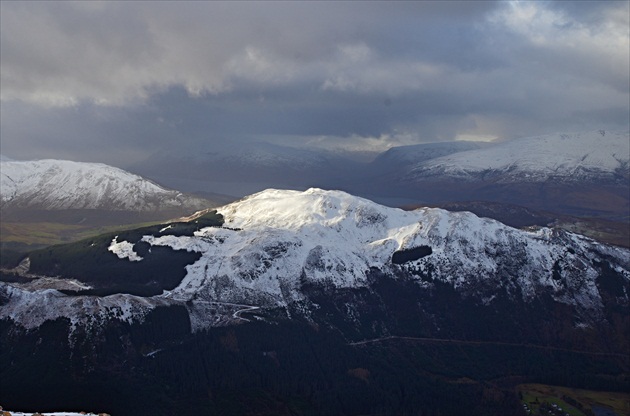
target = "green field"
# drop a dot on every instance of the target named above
(575, 402)
(50, 233)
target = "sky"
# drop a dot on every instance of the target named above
(115, 82)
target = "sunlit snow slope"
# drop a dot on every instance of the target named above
(275, 242)
(62, 184)
(581, 156)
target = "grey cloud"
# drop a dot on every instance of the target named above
(112, 81)
(115, 50)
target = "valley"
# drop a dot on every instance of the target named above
(575, 402)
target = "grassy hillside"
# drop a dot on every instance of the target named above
(90, 261)
(575, 402)
(50, 233)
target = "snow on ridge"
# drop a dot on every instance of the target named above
(63, 184)
(31, 308)
(284, 236)
(274, 241)
(570, 155)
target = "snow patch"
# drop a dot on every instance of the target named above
(124, 250)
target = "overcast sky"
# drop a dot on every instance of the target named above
(116, 81)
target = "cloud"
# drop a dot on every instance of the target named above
(112, 79)
(58, 53)
(561, 44)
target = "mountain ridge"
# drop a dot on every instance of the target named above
(583, 156)
(275, 243)
(58, 184)
(305, 300)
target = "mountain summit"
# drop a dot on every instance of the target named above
(284, 286)
(586, 156)
(61, 184)
(275, 247)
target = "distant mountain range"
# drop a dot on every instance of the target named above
(580, 174)
(584, 173)
(414, 173)
(244, 168)
(578, 157)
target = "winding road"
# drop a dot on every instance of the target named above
(464, 342)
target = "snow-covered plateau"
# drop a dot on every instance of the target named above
(595, 155)
(61, 184)
(275, 243)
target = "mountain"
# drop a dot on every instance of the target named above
(573, 157)
(609, 232)
(400, 157)
(46, 202)
(243, 168)
(304, 301)
(584, 174)
(61, 184)
(275, 244)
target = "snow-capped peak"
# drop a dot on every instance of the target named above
(276, 241)
(569, 156)
(278, 238)
(294, 210)
(63, 184)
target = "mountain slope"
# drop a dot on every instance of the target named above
(314, 302)
(47, 202)
(59, 184)
(585, 156)
(244, 168)
(403, 156)
(584, 174)
(275, 244)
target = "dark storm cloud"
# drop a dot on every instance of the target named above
(111, 81)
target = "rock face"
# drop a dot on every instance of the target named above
(63, 185)
(280, 250)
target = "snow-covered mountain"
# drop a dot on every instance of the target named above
(276, 244)
(285, 286)
(402, 156)
(61, 184)
(244, 168)
(586, 156)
